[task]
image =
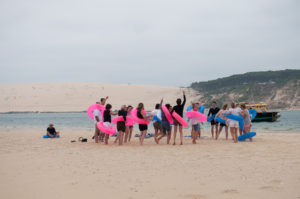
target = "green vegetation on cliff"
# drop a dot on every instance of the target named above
(280, 89)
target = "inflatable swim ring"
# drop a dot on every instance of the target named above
(92, 108)
(201, 108)
(246, 136)
(191, 114)
(179, 119)
(167, 114)
(253, 113)
(138, 120)
(211, 118)
(110, 131)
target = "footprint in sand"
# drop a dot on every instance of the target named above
(194, 196)
(230, 191)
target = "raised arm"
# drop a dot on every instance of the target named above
(184, 98)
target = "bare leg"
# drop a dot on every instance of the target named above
(212, 131)
(194, 136)
(126, 134)
(217, 128)
(218, 134)
(96, 134)
(226, 131)
(117, 138)
(121, 133)
(130, 133)
(106, 138)
(181, 135)
(235, 135)
(142, 136)
(175, 132)
(169, 137)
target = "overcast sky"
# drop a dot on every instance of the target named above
(165, 42)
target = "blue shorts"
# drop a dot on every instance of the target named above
(165, 127)
(196, 127)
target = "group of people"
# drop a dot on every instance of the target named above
(161, 124)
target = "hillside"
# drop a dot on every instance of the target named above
(279, 89)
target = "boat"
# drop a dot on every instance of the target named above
(263, 114)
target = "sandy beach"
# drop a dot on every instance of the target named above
(32, 167)
(76, 96)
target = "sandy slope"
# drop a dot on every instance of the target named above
(32, 167)
(62, 97)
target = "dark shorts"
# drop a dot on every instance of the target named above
(165, 127)
(157, 125)
(221, 124)
(214, 123)
(121, 126)
(176, 123)
(143, 127)
(196, 127)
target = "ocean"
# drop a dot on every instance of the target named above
(288, 122)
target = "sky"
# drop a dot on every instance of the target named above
(160, 42)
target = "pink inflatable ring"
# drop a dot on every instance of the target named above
(179, 119)
(138, 120)
(167, 114)
(94, 107)
(191, 114)
(110, 131)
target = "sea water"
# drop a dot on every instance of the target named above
(288, 122)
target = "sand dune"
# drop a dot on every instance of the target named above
(64, 97)
(32, 167)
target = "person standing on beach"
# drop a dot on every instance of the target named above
(98, 118)
(221, 115)
(121, 127)
(195, 121)
(128, 132)
(107, 119)
(179, 110)
(213, 111)
(166, 126)
(142, 127)
(233, 124)
(157, 123)
(247, 120)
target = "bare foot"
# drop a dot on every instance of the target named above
(181, 143)
(174, 143)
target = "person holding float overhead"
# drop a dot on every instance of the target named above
(247, 120)
(157, 120)
(107, 119)
(213, 111)
(221, 115)
(121, 128)
(165, 123)
(179, 110)
(128, 132)
(143, 127)
(233, 124)
(195, 124)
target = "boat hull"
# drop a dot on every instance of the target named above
(266, 117)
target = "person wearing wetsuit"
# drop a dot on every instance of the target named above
(213, 111)
(179, 110)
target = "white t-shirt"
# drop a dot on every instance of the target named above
(157, 112)
(236, 112)
(97, 112)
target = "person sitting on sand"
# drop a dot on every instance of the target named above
(179, 110)
(51, 132)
